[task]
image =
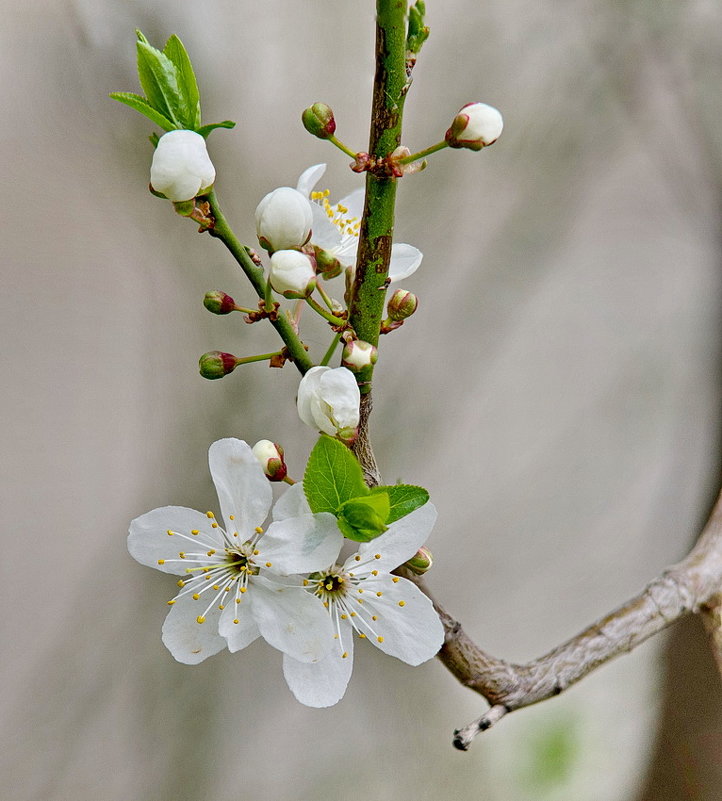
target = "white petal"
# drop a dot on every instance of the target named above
(405, 260)
(243, 490)
(292, 503)
(323, 683)
(309, 178)
(354, 202)
(411, 632)
(191, 642)
(149, 541)
(324, 233)
(292, 620)
(238, 635)
(401, 541)
(307, 391)
(301, 544)
(338, 389)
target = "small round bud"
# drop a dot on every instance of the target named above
(402, 304)
(318, 120)
(181, 168)
(216, 364)
(219, 302)
(270, 457)
(358, 354)
(283, 219)
(292, 274)
(475, 126)
(420, 562)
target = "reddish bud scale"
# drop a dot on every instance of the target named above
(216, 364)
(219, 302)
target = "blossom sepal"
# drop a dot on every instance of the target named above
(476, 125)
(270, 457)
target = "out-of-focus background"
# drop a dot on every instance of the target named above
(557, 392)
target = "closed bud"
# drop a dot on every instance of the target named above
(475, 126)
(358, 354)
(329, 401)
(318, 120)
(216, 364)
(270, 457)
(420, 562)
(219, 302)
(327, 265)
(292, 274)
(402, 304)
(283, 219)
(181, 168)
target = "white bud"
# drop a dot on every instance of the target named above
(329, 400)
(271, 459)
(181, 168)
(476, 125)
(283, 219)
(292, 274)
(358, 354)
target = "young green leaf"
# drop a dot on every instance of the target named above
(159, 79)
(364, 519)
(404, 498)
(204, 130)
(187, 83)
(143, 106)
(332, 477)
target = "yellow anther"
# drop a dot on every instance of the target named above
(235, 533)
(258, 530)
(374, 572)
(325, 603)
(207, 578)
(243, 589)
(373, 617)
(195, 532)
(362, 635)
(377, 556)
(231, 517)
(353, 614)
(359, 590)
(211, 552)
(221, 607)
(161, 561)
(180, 583)
(238, 600)
(170, 603)
(200, 619)
(256, 552)
(210, 515)
(236, 620)
(182, 554)
(379, 594)
(170, 533)
(357, 558)
(269, 564)
(379, 639)
(344, 655)
(329, 586)
(214, 525)
(395, 579)
(216, 587)
(205, 569)
(342, 209)
(344, 617)
(335, 636)
(402, 603)
(305, 582)
(195, 596)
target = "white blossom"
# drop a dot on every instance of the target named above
(329, 401)
(291, 274)
(336, 227)
(181, 168)
(283, 219)
(238, 582)
(476, 125)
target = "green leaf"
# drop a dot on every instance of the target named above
(143, 106)
(204, 130)
(404, 498)
(418, 33)
(364, 519)
(187, 83)
(332, 477)
(159, 78)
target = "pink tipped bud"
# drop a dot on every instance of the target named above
(475, 126)
(402, 304)
(219, 302)
(270, 457)
(318, 120)
(358, 354)
(217, 364)
(420, 562)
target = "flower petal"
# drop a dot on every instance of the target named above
(307, 391)
(191, 642)
(405, 260)
(323, 683)
(149, 542)
(400, 541)
(245, 631)
(354, 203)
(292, 503)
(243, 490)
(292, 620)
(323, 232)
(301, 544)
(407, 626)
(340, 397)
(309, 178)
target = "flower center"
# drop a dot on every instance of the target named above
(338, 214)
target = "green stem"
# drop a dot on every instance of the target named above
(317, 307)
(326, 299)
(423, 153)
(221, 230)
(340, 145)
(262, 357)
(331, 349)
(377, 225)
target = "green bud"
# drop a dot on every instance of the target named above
(327, 265)
(420, 562)
(219, 302)
(318, 120)
(402, 304)
(364, 519)
(217, 364)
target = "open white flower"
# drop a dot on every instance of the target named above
(336, 227)
(239, 582)
(181, 167)
(362, 596)
(329, 401)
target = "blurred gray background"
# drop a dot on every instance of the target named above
(557, 392)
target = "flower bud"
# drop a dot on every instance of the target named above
(329, 401)
(216, 364)
(292, 274)
(327, 265)
(358, 354)
(181, 168)
(475, 126)
(318, 120)
(283, 219)
(420, 562)
(219, 302)
(402, 304)
(270, 456)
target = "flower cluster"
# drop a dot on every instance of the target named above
(284, 583)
